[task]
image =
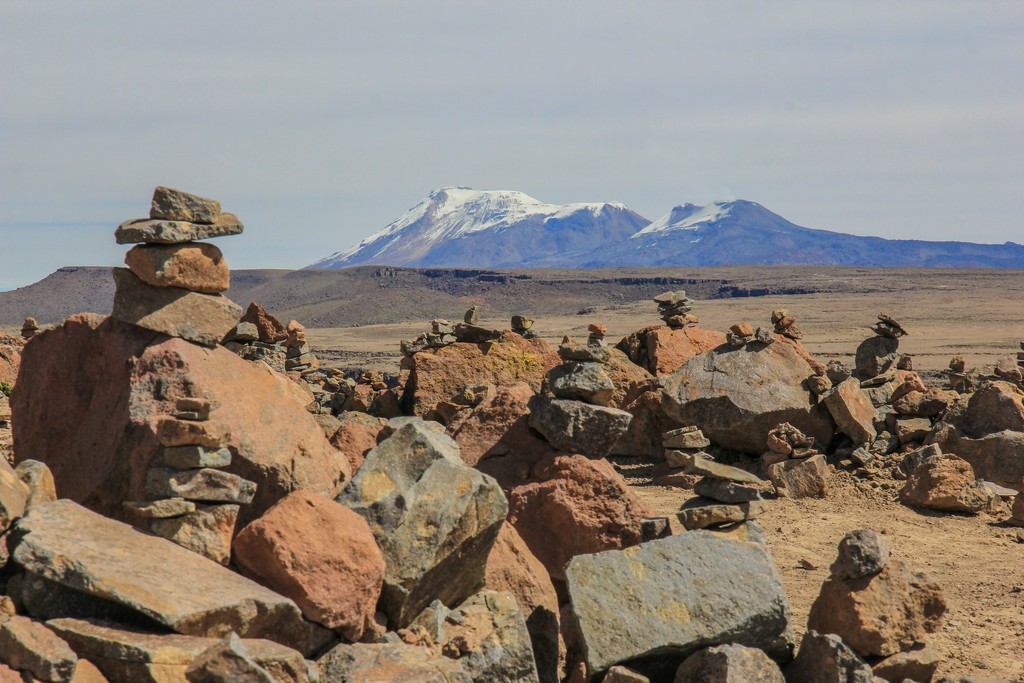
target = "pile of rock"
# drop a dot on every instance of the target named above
(191, 500)
(741, 334)
(29, 328)
(596, 334)
(944, 481)
(523, 326)
(173, 281)
(674, 308)
(793, 464)
(878, 354)
(442, 333)
(682, 445)
(725, 496)
(258, 336)
(298, 357)
(959, 380)
(785, 324)
(572, 410)
(871, 618)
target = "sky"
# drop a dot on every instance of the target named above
(319, 122)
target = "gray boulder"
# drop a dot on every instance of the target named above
(736, 397)
(729, 664)
(825, 658)
(581, 381)
(666, 599)
(434, 517)
(862, 552)
(875, 355)
(578, 427)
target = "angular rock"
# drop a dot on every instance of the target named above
(671, 597)
(67, 544)
(945, 482)
(438, 375)
(195, 266)
(389, 663)
(803, 478)
(686, 437)
(335, 581)
(133, 655)
(206, 485)
(725, 491)
(620, 674)
(660, 349)
(862, 552)
(825, 658)
(875, 355)
(161, 509)
(99, 384)
(737, 397)
(578, 427)
(710, 468)
(206, 531)
(173, 433)
(923, 403)
(14, 496)
(269, 328)
(575, 506)
(512, 568)
(28, 646)
(227, 662)
(434, 518)
(191, 457)
(918, 664)
(881, 614)
(356, 435)
(160, 231)
(701, 513)
(176, 312)
(852, 410)
(175, 205)
(729, 664)
(581, 382)
(912, 429)
(496, 424)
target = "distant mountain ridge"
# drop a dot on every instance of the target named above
(461, 227)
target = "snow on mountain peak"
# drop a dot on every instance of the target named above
(689, 217)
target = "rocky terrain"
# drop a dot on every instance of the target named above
(467, 228)
(194, 495)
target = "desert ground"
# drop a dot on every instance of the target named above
(979, 561)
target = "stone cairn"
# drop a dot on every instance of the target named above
(444, 333)
(741, 334)
(596, 335)
(674, 308)
(173, 286)
(523, 326)
(29, 328)
(726, 495)
(957, 376)
(785, 324)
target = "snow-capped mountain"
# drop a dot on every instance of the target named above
(743, 232)
(459, 226)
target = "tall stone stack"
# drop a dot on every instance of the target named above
(785, 324)
(173, 282)
(876, 355)
(674, 308)
(173, 286)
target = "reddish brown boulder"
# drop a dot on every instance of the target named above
(438, 375)
(513, 568)
(881, 614)
(269, 328)
(575, 506)
(994, 407)
(643, 436)
(495, 425)
(660, 349)
(356, 435)
(195, 266)
(852, 410)
(923, 403)
(944, 482)
(94, 386)
(335, 581)
(625, 374)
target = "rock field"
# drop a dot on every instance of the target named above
(188, 493)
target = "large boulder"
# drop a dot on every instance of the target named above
(660, 349)
(69, 545)
(493, 426)
(575, 506)
(96, 389)
(438, 375)
(994, 407)
(578, 427)
(665, 599)
(335, 581)
(945, 482)
(736, 396)
(434, 518)
(512, 568)
(729, 664)
(355, 434)
(875, 355)
(879, 614)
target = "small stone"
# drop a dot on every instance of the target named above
(852, 410)
(652, 528)
(701, 513)
(189, 457)
(227, 662)
(581, 381)
(620, 674)
(676, 458)
(918, 664)
(685, 438)
(207, 531)
(175, 205)
(945, 482)
(472, 316)
(726, 491)
(160, 231)
(195, 266)
(862, 552)
(161, 509)
(710, 468)
(578, 427)
(206, 485)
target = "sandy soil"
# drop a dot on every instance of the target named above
(977, 560)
